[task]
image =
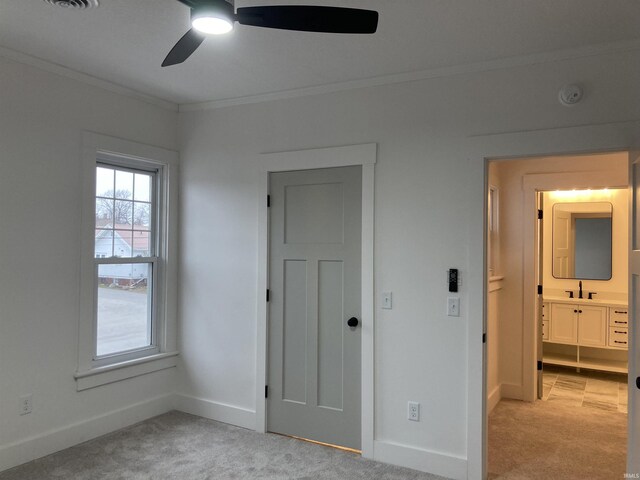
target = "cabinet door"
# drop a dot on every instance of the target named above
(564, 323)
(592, 326)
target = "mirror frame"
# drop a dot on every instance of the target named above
(553, 240)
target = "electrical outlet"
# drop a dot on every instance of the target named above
(26, 404)
(413, 411)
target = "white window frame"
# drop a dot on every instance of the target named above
(92, 370)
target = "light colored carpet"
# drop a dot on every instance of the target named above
(553, 440)
(181, 446)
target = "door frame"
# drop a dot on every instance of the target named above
(532, 185)
(611, 137)
(364, 155)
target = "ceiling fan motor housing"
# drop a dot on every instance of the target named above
(215, 8)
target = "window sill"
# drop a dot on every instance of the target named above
(121, 371)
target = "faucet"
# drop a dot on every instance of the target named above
(580, 289)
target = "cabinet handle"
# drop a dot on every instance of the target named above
(616, 321)
(579, 311)
(575, 311)
(616, 341)
(619, 311)
(619, 331)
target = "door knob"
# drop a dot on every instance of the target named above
(352, 322)
(638, 382)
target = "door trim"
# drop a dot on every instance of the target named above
(611, 137)
(364, 155)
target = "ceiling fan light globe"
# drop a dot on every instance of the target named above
(212, 25)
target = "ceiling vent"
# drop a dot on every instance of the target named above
(77, 4)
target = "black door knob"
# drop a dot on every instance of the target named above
(352, 322)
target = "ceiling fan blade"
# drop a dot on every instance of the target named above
(189, 3)
(184, 48)
(309, 18)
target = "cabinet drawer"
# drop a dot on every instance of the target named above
(618, 337)
(545, 330)
(618, 317)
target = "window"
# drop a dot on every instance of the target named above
(128, 276)
(125, 205)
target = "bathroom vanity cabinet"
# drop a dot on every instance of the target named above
(584, 334)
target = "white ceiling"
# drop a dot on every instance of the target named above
(125, 41)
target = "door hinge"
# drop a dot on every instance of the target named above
(539, 289)
(266, 391)
(484, 338)
(268, 201)
(268, 294)
(539, 365)
(539, 214)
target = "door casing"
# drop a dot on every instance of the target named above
(614, 137)
(365, 156)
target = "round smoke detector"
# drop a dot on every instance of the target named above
(77, 4)
(570, 95)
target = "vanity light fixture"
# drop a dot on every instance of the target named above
(582, 194)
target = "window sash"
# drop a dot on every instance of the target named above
(155, 200)
(154, 262)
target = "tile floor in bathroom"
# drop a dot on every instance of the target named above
(587, 388)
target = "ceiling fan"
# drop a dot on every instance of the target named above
(218, 16)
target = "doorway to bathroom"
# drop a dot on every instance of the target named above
(556, 377)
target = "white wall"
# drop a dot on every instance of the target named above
(42, 118)
(429, 196)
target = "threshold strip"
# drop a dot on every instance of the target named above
(316, 442)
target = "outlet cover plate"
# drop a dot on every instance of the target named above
(413, 411)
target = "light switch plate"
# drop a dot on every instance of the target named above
(387, 300)
(453, 306)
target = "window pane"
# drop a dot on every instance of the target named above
(142, 187)
(104, 212)
(124, 185)
(122, 243)
(141, 243)
(124, 313)
(142, 216)
(104, 243)
(104, 182)
(123, 214)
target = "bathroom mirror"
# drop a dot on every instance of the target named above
(582, 240)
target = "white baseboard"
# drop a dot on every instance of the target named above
(494, 398)
(510, 390)
(38, 446)
(428, 461)
(220, 412)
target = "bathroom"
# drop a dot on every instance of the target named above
(557, 354)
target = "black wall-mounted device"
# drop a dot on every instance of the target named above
(453, 279)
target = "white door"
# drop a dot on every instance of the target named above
(540, 334)
(562, 245)
(314, 283)
(633, 450)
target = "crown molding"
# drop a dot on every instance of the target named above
(499, 64)
(62, 71)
